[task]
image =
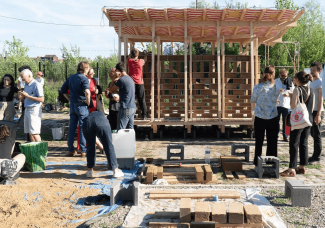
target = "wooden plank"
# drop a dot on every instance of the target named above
(160, 171)
(199, 161)
(240, 175)
(167, 214)
(194, 196)
(199, 174)
(229, 158)
(149, 174)
(239, 225)
(169, 224)
(202, 212)
(229, 175)
(208, 172)
(219, 212)
(202, 224)
(253, 214)
(232, 166)
(185, 210)
(193, 191)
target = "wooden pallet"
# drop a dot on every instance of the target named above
(235, 175)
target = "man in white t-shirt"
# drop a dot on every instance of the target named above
(39, 75)
(318, 112)
(283, 102)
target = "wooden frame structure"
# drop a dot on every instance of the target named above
(193, 90)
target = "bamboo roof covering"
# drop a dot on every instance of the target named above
(269, 25)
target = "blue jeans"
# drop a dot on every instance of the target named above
(78, 112)
(125, 118)
(284, 112)
(96, 124)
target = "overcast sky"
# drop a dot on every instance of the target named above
(45, 39)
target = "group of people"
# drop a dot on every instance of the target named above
(275, 98)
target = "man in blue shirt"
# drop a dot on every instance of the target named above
(79, 98)
(33, 97)
(126, 87)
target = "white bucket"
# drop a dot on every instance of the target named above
(124, 143)
(57, 133)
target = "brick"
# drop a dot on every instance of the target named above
(253, 214)
(202, 212)
(199, 174)
(185, 210)
(208, 173)
(160, 171)
(219, 213)
(236, 213)
(232, 166)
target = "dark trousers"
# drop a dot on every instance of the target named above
(112, 118)
(298, 139)
(94, 125)
(316, 134)
(271, 127)
(139, 92)
(282, 112)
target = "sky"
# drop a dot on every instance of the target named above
(43, 39)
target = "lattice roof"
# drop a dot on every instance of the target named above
(269, 25)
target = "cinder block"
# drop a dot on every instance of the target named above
(185, 210)
(126, 163)
(177, 147)
(118, 192)
(299, 192)
(199, 174)
(232, 166)
(245, 154)
(253, 214)
(235, 213)
(219, 213)
(202, 212)
(263, 165)
(160, 171)
(208, 172)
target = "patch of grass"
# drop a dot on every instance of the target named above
(307, 174)
(103, 225)
(279, 201)
(273, 191)
(315, 166)
(282, 157)
(284, 165)
(307, 211)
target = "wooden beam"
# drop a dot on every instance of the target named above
(236, 30)
(153, 73)
(252, 63)
(204, 16)
(262, 14)
(191, 74)
(130, 19)
(185, 14)
(242, 14)
(158, 74)
(299, 15)
(219, 73)
(166, 18)
(185, 70)
(204, 23)
(280, 15)
(146, 14)
(224, 11)
(223, 108)
(268, 32)
(126, 53)
(119, 40)
(194, 195)
(106, 13)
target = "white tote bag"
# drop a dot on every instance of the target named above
(299, 115)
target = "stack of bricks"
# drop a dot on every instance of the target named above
(236, 213)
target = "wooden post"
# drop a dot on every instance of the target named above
(213, 44)
(223, 77)
(126, 53)
(191, 78)
(153, 73)
(252, 62)
(218, 65)
(119, 39)
(256, 61)
(158, 74)
(185, 70)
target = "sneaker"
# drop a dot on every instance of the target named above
(118, 173)
(256, 169)
(312, 160)
(286, 139)
(89, 173)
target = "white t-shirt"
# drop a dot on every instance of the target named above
(21, 83)
(315, 86)
(40, 80)
(284, 101)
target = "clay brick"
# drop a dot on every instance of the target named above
(208, 173)
(202, 212)
(160, 171)
(253, 214)
(199, 174)
(232, 166)
(219, 213)
(185, 210)
(236, 213)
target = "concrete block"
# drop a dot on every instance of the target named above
(118, 192)
(199, 174)
(245, 154)
(268, 164)
(253, 214)
(175, 147)
(126, 163)
(236, 213)
(299, 192)
(185, 210)
(219, 213)
(202, 212)
(233, 166)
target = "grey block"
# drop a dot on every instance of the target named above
(263, 167)
(118, 193)
(126, 163)
(245, 154)
(299, 192)
(175, 146)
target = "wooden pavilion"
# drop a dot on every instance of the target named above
(191, 89)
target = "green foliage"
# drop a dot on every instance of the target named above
(286, 4)
(214, 5)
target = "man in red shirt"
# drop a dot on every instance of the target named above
(135, 72)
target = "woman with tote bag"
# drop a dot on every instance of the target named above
(302, 105)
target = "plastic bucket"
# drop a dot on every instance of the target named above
(57, 133)
(124, 143)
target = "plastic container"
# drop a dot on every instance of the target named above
(124, 143)
(207, 155)
(58, 133)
